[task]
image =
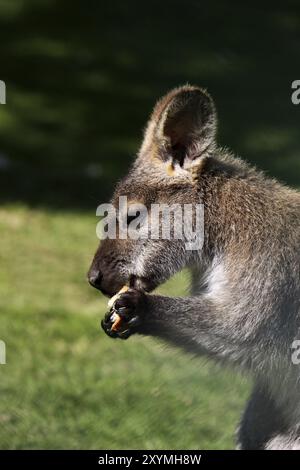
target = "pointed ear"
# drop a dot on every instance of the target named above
(183, 126)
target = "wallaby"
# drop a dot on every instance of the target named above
(245, 302)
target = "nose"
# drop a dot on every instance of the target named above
(95, 278)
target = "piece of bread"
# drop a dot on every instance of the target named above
(111, 301)
(115, 318)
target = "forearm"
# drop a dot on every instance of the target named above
(197, 323)
(189, 321)
(183, 313)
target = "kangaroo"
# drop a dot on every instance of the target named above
(244, 306)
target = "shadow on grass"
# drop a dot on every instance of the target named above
(82, 79)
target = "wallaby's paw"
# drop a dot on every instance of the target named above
(126, 314)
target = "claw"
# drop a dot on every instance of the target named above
(134, 321)
(124, 334)
(107, 328)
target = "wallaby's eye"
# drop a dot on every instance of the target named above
(131, 218)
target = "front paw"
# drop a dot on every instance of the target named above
(129, 308)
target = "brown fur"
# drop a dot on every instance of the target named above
(245, 301)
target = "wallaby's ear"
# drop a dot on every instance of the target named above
(183, 126)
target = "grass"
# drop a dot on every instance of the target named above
(65, 384)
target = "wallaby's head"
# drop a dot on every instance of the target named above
(179, 138)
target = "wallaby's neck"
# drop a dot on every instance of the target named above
(238, 202)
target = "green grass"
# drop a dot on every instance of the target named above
(65, 384)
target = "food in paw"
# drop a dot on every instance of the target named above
(116, 321)
(115, 318)
(111, 301)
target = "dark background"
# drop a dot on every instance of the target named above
(82, 78)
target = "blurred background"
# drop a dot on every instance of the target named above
(81, 80)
